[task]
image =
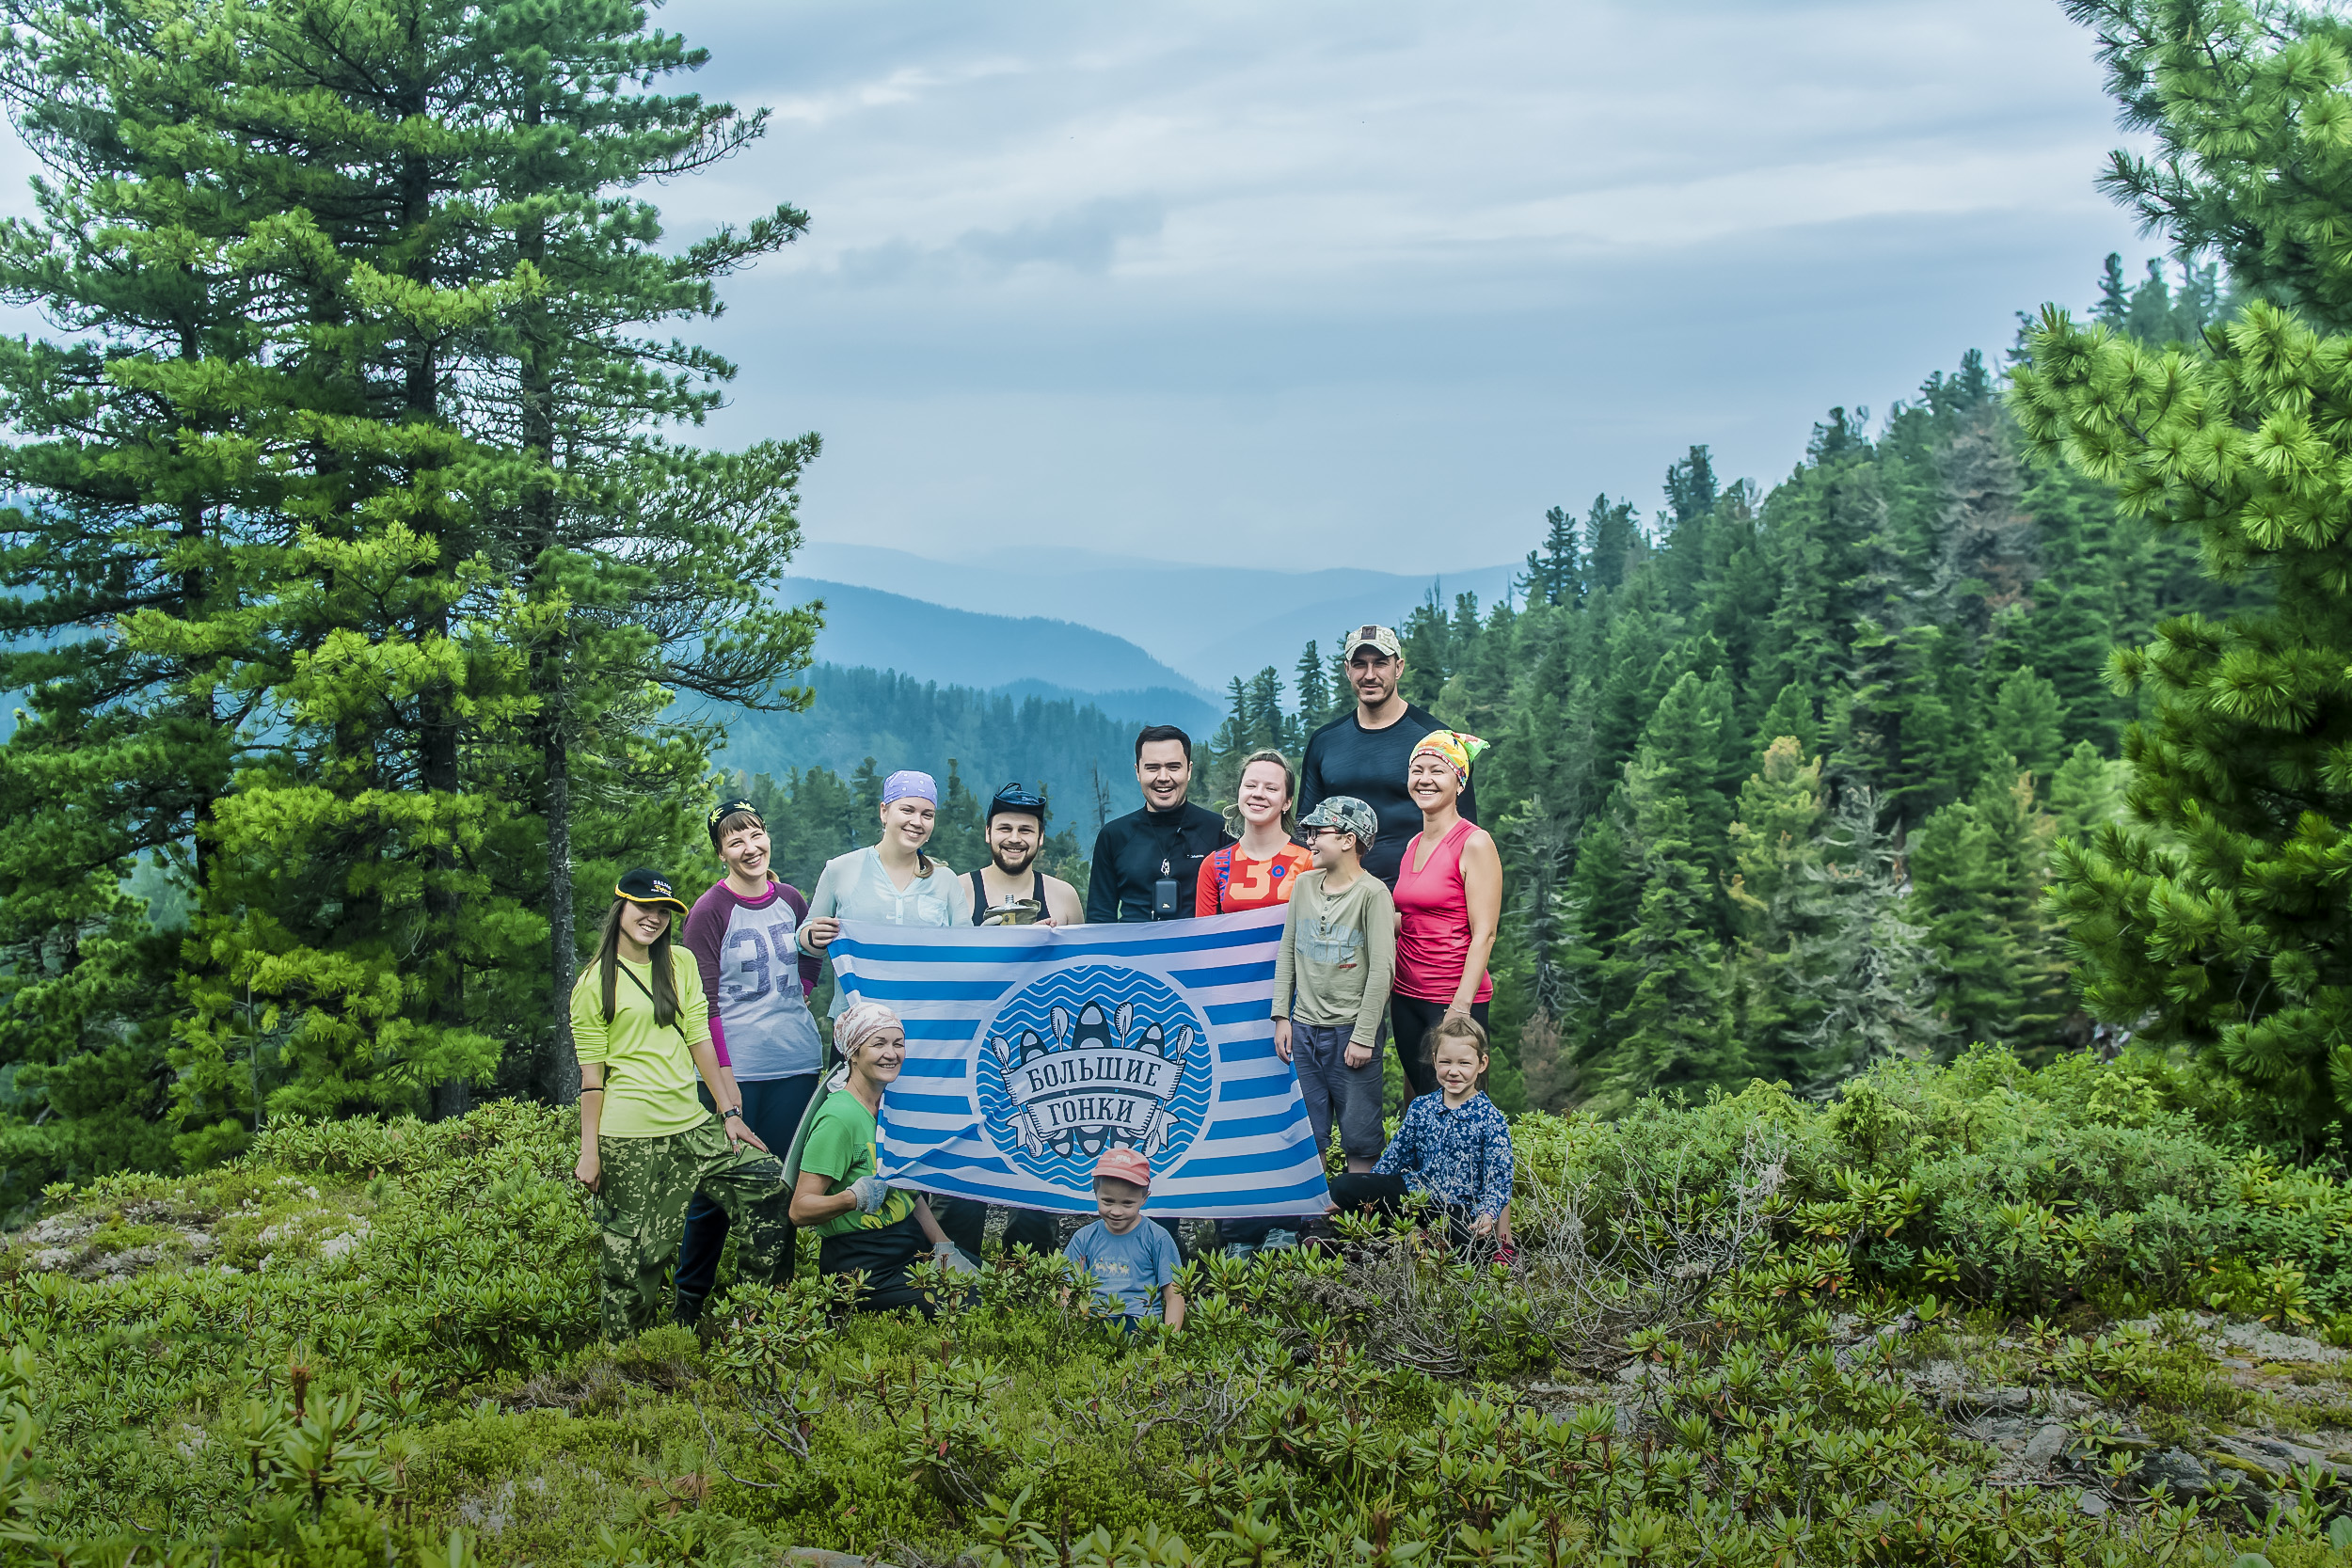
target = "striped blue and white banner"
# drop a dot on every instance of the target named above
(1032, 1048)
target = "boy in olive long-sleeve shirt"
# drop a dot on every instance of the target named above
(1331, 980)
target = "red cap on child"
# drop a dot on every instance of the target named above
(1125, 1165)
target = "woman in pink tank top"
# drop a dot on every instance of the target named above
(1449, 903)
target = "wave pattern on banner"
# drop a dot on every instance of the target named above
(1030, 1050)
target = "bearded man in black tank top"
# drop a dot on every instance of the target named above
(1011, 891)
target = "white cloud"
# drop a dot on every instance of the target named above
(1214, 279)
(1366, 278)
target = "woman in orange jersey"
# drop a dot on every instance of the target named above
(1261, 869)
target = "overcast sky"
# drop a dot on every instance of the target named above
(1321, 283)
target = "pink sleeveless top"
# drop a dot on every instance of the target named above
(1432, 914)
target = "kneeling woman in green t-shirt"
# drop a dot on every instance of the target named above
(865, 1225)
(642, 1030)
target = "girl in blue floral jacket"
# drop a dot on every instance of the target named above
(1453, 1146)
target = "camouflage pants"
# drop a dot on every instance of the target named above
(641, 1209)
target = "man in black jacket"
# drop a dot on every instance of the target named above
(1148, 862)
(1367, 752)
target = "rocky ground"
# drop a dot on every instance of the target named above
(248, 1230)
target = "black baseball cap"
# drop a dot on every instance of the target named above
(725, 809)
(645, 885)
(1019, 798)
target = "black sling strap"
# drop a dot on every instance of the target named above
(675, 1024)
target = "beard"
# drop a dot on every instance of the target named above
(1025, 857)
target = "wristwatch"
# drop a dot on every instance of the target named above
(735, 1111)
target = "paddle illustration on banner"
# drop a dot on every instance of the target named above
(1032, 1048)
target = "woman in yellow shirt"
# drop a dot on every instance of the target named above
(640, 1027)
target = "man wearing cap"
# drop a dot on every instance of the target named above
(1147, 863)
(1010, 890)
(743, 934)
(1369, 751)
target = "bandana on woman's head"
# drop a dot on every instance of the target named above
(859, 1023)
(1457, 751)
(907, 782)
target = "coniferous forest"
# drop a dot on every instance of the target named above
(1779, 775)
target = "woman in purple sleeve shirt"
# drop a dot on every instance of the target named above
(745, 935)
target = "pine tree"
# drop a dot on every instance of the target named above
(1910, 720)
(2150, 318)
(2086, 793)
(2025, 719)
(1772, 840)
(957, 835)
(2115, 300)
(1690, 489)
(1978, 867)
(402, 323)
(1427, 636)
(1675, 1029)
(2242, 104)
(1690, 497)
(1555, 573)
(1791, 715)
(2216, 924)
(1599, 908)
(129, 504)
(1616, 545)
(1859, 972)
(1314, 697)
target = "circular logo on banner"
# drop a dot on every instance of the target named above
(1090, 1058)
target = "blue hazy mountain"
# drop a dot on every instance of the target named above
(1199, 620)
(932, 642)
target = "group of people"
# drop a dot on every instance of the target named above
(708, 1108)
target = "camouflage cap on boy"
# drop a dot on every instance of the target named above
(1346, 814)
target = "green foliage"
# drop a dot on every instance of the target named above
(1741, 1274)
(2217, 921)
(1980, 865)
(351, 574)
(2245, 104)
(1926, 613)
(1062, 746)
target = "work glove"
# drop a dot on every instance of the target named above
(953, 1259)
(871, 1192)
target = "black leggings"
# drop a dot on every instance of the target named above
(1371, 1194)
(965, 1222)
(883, 1256)
(1410, 1019)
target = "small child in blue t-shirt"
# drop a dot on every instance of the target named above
(1133, 1264)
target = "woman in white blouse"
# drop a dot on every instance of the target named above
(894, 881)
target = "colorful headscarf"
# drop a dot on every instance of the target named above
(1457, 749)
(859, 1023)
(907, 782)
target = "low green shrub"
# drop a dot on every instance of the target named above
(368, 1342)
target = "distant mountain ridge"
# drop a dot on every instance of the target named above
(1209, 623)
(981, 650)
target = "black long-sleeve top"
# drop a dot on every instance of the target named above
(1137, 849)
(1345, 759)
